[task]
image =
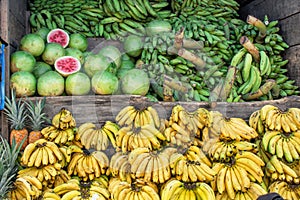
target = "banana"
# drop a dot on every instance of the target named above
(293, 150)
(253, 119)
(247, 67)
(286, 151)
(277, 164)
(51, 195)
(251, 168)
(54, 148)
(272, 144)
(29, 149)
(221, 179)
(265, 110)
(290, 123)
(102, 159)
(140, 171)
(71, 195)
(110, 135)
(267, 137)
(82, 128)
(238, 57)
(73, 163)
(263, 65)
(279, 148)
(33, 157)
(126, 116)
(228, 184)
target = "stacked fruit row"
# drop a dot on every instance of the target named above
(200, 155)
(111, 19)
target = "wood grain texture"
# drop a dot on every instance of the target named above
(99, 108)
(275, 9)
(293, 55)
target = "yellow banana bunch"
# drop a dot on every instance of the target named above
(26, 187)
(192, 122)
(286, 190)
(137, 190)
(130, 115)
(195, 153)
(49, 195)
(190, 167)
(236, 129)
(57, 135)
(120, 167)
(45, 174)
(61, 178)
(98, 139)
(278, 170)
(215, 129)
(111, 130)
(65, 188)
(41, 153)
(176, 189)
(218, 150)
(251, 193)
(149, 165)
(63, 120)
(128, 138)
(252, 164)
(256, 122)
(283, 145)
(103, 181)
(88, 165)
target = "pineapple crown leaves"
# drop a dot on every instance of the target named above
(8, 166)
(15, 112)
(36, 116)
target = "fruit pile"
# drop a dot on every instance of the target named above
(188, 51)
(197, 154)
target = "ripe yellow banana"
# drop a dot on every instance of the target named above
(71, 195)
(83, 127)
(54, 148)
(265, 110)
(29, 149)
(221, 179)
(33, 157)
(123, 112)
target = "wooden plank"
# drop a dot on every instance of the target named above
(18, 9)
(99, 108)
(5, 36)
(290, 29)
(275, 9)
(293, 55)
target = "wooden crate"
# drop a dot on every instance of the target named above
(288, 14)
(97, 109)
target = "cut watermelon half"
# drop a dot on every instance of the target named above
(58, 36)
(67, 65)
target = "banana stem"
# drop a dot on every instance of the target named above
(228, 83)
(215, 94)
(260, 26)
(157, 88)
(247, 44)
(174, 84)
(264, 89)
(178, 42)
(168, 93)
(187, 55)
(192, 44)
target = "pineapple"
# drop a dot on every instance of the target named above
(8, 166)
(16, 114)
(36, 118)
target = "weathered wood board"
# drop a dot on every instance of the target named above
(99, 108)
